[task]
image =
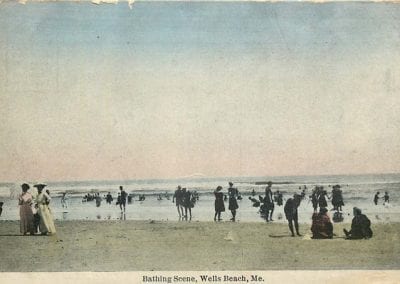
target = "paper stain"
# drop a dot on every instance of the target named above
(230, 237)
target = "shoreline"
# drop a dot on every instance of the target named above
(117, 245)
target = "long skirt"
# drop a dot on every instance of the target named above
(26, 216)
(233, 205)
(46, 224)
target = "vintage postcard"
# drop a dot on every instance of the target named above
(199, 141)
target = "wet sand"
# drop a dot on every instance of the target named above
(145, 246)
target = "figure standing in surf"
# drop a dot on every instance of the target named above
(233, 205)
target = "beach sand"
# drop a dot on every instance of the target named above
(183, 246)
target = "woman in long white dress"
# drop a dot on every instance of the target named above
(46, 225)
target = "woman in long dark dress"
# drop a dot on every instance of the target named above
(233, 205)
(219, 203)
(321, 198)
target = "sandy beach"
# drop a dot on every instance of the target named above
(154, 245)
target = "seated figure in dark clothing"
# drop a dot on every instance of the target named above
(360, 226)
(321, 227)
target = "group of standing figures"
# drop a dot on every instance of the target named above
(35, 213)
(184, 199)
(233, 195)
(321, 228)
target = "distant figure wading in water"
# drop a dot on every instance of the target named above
(122, 203)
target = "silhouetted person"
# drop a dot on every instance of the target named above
(360, 226)
(253, 192)
(1, 207)
(269, 202)
(337, 198)
(322, 227)
(291, 213)
(178, 200)
(314, 198)
(386, 197)
(109, 198)
(98, 199)
(64, 200)
(376, 198)
(322, 197)
(256, 203)
(233, 205)
(187, 203)
(122, 204)
(219, 203)
(279, 198)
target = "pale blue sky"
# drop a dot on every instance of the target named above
(169, 89)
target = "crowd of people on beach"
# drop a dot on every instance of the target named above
(36, 216)
(322, 226)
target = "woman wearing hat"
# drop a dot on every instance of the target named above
(25, 210)
(219, 203)
(46, 225)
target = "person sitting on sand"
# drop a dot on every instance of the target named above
(291, 213)
(376, 198)
(322, 227)
(360, 226)
(219, 203)
(233, 205)
(269, 202)
(178, 200)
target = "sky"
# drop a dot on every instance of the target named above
(172, 89)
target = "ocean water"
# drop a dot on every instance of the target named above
(358, 190)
